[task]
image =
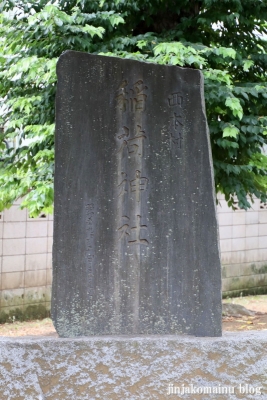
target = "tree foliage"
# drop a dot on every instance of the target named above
(225, 39)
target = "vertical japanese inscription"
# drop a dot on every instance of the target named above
(131, 101)
(176, 121)
(89, 209)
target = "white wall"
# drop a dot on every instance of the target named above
(25, 259)
(243, 240)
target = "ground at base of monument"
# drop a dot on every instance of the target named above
(42, 327)
(254, 303)
(245, 323)
(230, 324)
(258, 321)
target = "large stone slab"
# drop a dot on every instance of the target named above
(135, 368)
(135, 230)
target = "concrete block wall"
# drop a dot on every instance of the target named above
(25, 260)
(243, 241)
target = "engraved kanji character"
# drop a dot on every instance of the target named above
(124, 144)
(122, 186)
(175, 99)
(138, 97)
(138, 184)
(122, 100)
(140, 102)
(176, 129)
(124, 229)
(138, 228)
(177, 121)
(176, 139)
(135, 145)
(140, 87)
(125, 133)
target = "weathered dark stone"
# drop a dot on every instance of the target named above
(135, 231)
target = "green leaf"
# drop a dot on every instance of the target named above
(141, 43)
(234, 104)
(116, 20)
(247, 65)
(93, 30)
(58, 21)
(230, 131)
(225, 52)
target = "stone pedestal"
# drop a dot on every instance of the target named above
(135, 368)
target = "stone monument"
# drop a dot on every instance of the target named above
(135, 232)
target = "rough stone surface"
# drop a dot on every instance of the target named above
(132, 367)
(135, 233)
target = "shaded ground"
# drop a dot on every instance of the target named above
(258, 321)
(29, 328)
(254, 303)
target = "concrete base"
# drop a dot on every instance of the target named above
(149, 367)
